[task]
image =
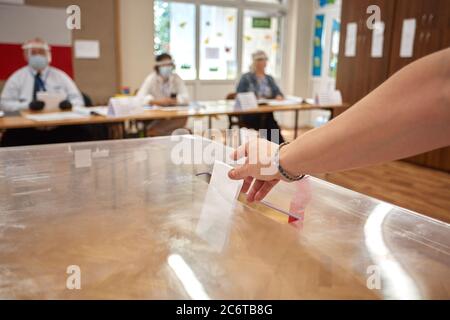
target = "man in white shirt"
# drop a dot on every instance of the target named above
(20, 90)
(164, 88)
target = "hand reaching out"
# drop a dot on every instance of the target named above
(258, 168)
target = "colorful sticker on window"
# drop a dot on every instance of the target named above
(318, 46)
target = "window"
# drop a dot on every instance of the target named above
(175, 34)
(214, 53)
(218, 33)
(262, 31)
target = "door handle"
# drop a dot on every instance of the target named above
(430, 19)
(424, 19)
(421, 36)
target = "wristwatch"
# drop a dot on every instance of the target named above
(276, 163)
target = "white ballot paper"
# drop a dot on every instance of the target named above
(217, 210)
(51, 100)
(408, 35)
(228, 188)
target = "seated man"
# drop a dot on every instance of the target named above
(20, 93)
(264, 87)
(163, 87)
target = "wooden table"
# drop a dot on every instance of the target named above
(140, 226)
(203, 109)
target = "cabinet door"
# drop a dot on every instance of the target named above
(431, 28)
(377, 69)
(446, 24)
(405, 9)
(433, 34)
(357, 76)
(347, 68)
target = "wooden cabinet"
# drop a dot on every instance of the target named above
(446, 25)
(378, 68)
(431, 23)
(357, 76)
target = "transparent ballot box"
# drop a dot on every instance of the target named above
(137, 219)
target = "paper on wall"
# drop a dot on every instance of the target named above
(408, 35)
(87, 49)
(377, 40)
(212, 53)
(350, 39)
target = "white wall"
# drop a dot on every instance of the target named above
(136, 41)
(297, 58)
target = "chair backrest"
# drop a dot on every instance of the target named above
(87, 100)
(231, 96)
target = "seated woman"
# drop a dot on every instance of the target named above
(264, 87)
(163, 88)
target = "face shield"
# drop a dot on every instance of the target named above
(165, 68)
(37, 54)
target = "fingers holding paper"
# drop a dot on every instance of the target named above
(258, 171)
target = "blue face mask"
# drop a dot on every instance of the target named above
(166, 71)
(38, 62)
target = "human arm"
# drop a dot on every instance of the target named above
(406, 115)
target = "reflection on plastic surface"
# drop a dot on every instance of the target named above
(400, 284)
(217, 211)
(151, 229)
(83, 158)
(187, 277)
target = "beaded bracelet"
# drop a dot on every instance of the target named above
(283, 172)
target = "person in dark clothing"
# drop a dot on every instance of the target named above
(264, 87)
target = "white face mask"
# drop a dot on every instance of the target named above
(38, 62)
(165, 71)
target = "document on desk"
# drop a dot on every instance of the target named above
(288, 101)
(94, 111)
(173, 108)
(55, 116)
(51, 100)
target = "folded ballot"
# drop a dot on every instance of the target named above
(229, 189)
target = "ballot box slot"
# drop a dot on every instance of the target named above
(206, 175)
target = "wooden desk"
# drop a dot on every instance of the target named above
(204, 109)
